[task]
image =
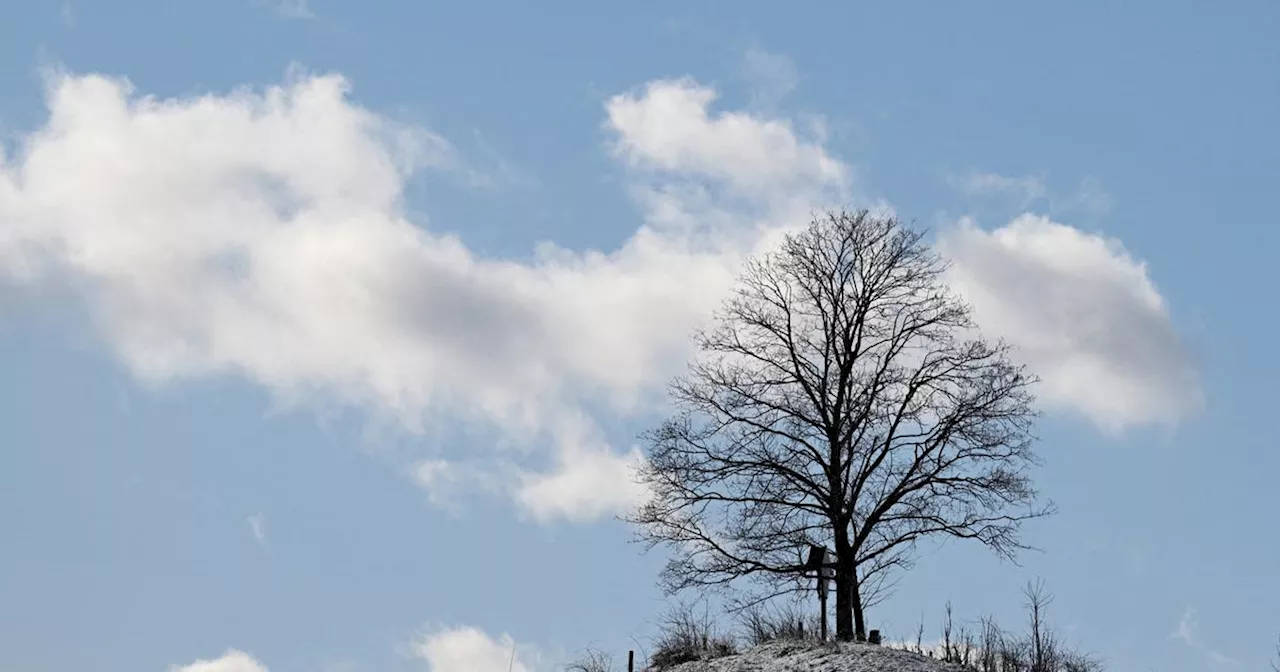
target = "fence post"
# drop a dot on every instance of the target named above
(631, 661)
(822, 602)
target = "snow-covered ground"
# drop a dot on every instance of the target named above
(798, 657)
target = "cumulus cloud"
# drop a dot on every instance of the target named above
(467, 649)
(671, 127)
(587, 484)
(1084, 315)
(231, 661)
(590, 480)
(457, 649)
(261, 234)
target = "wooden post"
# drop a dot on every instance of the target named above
(631, 661)
(823, 588)
(822, 604)
(825, 572)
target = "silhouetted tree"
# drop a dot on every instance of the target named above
(1043, 645)
(843, 398)
(592, 660)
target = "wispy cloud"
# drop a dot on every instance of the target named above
(678, 26)
(1188, 633)
(258, 526)
(449, 483)
(1026, 189)
(293, 9)
(1088, 197)
(771, 76)
(494, 170)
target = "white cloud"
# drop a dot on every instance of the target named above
(449, 482)
(231, 661)
(1084, 315)
(588, 484)
(590, 480)
(459, 649)
(467, 649)
(1188, 633)
(436, 476)
(670, 127)
(258, 526)
(262, 235)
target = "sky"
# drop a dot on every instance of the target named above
(327, 329)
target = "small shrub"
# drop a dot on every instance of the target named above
(991, 648)
(763, 624)
(592, 660)
(1039, 650)
(685, 636)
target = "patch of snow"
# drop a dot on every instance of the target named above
(801, 657)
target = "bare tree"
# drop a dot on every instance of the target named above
(843, 399)
(946, 634)
(592, 660)
(992, 642)
(1042, 643)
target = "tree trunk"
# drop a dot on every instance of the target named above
(846, 587)
(859, 620)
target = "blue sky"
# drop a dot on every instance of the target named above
(326, 330)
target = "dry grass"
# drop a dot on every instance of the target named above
(684, 635)
(990, 648)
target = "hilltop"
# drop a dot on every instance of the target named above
(803, 657)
